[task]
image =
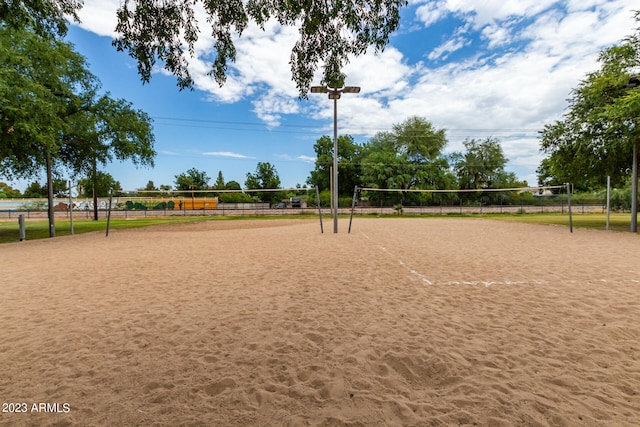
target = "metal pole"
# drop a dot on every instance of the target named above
(634, 191)
(70, 209)
(331, 207)
(353, 206)
(569, 207)
(319, 209)
(335, 165)
(608, 199)
(109, 211)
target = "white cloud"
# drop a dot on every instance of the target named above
(307, 159)
(227, 154)
(383, 74)
(485, 12)
(431, 12)
(99, 16)
(168, 153)
(448, 47)
(497, 35)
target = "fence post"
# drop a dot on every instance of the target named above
(21, 225)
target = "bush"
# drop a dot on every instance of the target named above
(620, 199)
(235, 198)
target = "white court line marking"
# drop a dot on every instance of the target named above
(455, 282)
(410, 270)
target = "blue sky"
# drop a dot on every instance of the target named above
(499, 68)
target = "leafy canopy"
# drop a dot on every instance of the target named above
(596, 136)
(44, 17)
(51, 107)
(193, 179)
(409, 156)
(330, 31)
(102, 182)
(349, 157)
(40, 80)
(265, 177)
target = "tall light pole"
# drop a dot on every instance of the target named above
(335, 95)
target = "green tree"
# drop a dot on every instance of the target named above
(265, 177)
(39, 82)
(193, 179)
(330, 33)
(35, 191)
(482, 165)
(234, 197)
(7, 192)
(407, 157)
(52, 115)
(219, 185)
(349, 155)
(150, 186)
(60, 188)
(104, 130)
(44, 17)
(232, 185)
(101, 184)
(599, 136)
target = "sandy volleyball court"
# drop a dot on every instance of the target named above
(403, 322)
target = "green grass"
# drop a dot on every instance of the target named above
(9, 231)
(617, 221)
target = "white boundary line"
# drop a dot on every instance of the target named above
(487, 284)
(410, 270)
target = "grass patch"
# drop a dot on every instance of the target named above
(10, 232)
(617, 221)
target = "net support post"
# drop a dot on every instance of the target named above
(569, 207)
(109, 211)
(70, 209)
(608, 200)
(353, 206)
(319, 209)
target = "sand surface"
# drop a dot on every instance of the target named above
(420, 322)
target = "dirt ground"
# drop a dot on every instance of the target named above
(438, 321)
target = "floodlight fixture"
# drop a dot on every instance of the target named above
(351, 89)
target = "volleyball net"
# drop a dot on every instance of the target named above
(210, 199)
(541, 199)
(470, 198)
